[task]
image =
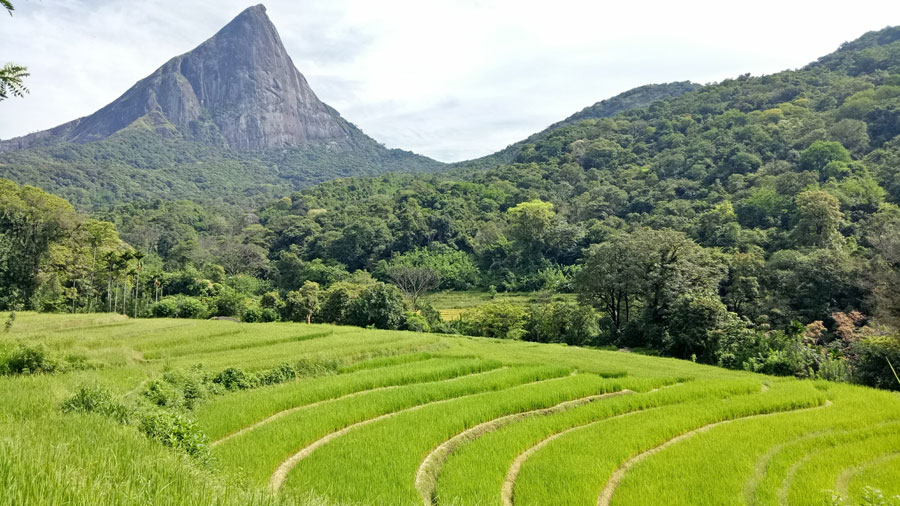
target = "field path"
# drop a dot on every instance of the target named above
(288, 411)
(509, 483)
(426, 475)
(842, 483)
(763, 462)
(607, 493)
(280, 474)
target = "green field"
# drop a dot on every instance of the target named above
(452, 304)
(409, 419)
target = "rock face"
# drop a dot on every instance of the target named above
(239, 88)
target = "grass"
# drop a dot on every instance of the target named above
(448, 418)
(257, 453)
(475, 474)
(451, 304)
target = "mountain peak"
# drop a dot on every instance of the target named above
(239, 88)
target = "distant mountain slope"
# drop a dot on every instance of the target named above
(635, 98)
(226, 119)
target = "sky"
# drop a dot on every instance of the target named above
(450, 79)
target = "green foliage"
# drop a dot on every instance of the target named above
(7, 326)
(563, 322)
(874, 362)
(28, 359)
(176, 431)
(95, 399)
(180, 306)
(380, 306)
(11, 77)
(496, 319)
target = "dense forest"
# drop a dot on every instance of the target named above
(752, 223)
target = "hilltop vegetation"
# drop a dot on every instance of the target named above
(316, 414)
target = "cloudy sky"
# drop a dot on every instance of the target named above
(451, 79)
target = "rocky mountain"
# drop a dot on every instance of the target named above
(233, 114)
(239, 88)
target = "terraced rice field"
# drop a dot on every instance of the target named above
(419, 419)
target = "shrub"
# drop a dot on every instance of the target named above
(872, 360)
(229, 302)
(563, 322)
(165, 308)
(380, 306)
(25, 359)
(280, 374)
(179, 306)
(181, 388)
(338, 300)
(268, 315)
(176, 431)
(252, 315)
(693, 323)
(235, 379)
(270, 300)
(93, 399)
(416, 322)
(497, 319)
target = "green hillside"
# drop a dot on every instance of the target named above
(636, 98)
(141, 164)
(319, 414)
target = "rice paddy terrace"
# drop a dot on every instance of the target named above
(401, 418)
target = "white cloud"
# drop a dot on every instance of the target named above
(453, 79)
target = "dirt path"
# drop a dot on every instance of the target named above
(509, 483)
(842, 483)
(289, 411)
(426, 475)
(762, 464)
(281, 472)
(606, 494)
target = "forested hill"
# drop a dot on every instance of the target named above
(786, 183)
(231, 121)
(635, 98)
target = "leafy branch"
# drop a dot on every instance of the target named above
(11, 76)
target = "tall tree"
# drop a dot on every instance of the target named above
(414, 282)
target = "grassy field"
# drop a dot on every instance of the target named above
(397, 418)
(451, 304)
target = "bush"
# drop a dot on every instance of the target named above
(176, 431)
(872, 360)
(235, 379)
(280, 374)
(268, 315)
(252, 315)
(229, 302)
(270, 300)
(693, 326)
(563, 322)
(167, 307)
(25, 359)
(380, 306)
(181, 388)
(338, 300)
(416, 322)
(93, 399)
(179, 306)
(497, 319)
